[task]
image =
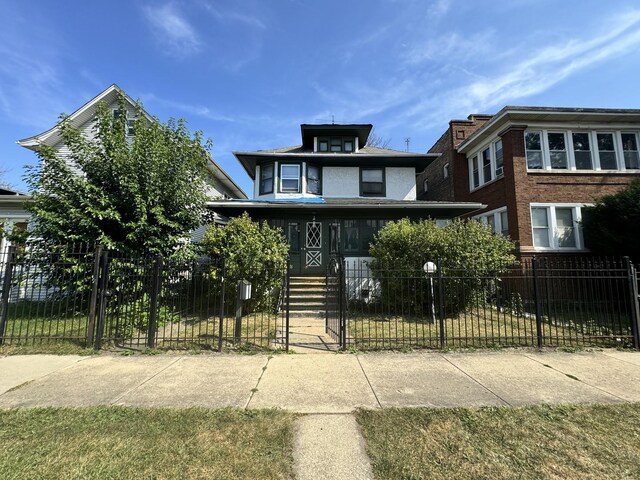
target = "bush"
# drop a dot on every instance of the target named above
(254, 252)
(468, 251)
(612, 226)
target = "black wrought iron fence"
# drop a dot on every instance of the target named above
(92, 297)
(541, 302)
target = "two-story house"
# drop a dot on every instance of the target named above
(332, 193)
(220, 184)
(536, 169)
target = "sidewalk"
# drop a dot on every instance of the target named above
(327, 387)
(321, 384)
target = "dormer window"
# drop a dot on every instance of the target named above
(336, 145)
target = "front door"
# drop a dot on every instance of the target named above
(313, 257)
(293, 238)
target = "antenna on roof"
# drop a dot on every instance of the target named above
(407, 140)
(332, 120)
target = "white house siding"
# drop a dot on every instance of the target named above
(342, 182)
(401, 183)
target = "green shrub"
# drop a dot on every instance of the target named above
(612, 225)
(469, 254)
(254, 252)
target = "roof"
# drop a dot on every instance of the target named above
(6, 191)
(309, 131)
(370, 156)
(348, 206)
(515, 115)
(87, 111)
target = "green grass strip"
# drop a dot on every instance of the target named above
(117, 442)
(564, 442)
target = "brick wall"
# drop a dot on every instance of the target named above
(447, 189)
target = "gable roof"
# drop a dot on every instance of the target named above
(87, 111)
(82, 115)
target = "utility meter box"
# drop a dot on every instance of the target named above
(245, 290)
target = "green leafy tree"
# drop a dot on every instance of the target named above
(252, 251)
(401, 248)
(137, 194)
(612, 225)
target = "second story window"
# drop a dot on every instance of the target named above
(485, 166)
(314, 180)
(290, 178)
(557, 150)
(630, 151)
(582, 150)
(607, 151)
(533, 146)
(372, 182)
(266, 179)
(499, 159)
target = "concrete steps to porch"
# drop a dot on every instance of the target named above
(307, 297)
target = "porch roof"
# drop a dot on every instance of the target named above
(344, 207)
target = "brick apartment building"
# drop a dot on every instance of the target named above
(536, 169)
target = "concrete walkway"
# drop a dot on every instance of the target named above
(326, 387)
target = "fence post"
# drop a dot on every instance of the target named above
(237, 330)
(221, 326)
(287, 317)
(536, 298)
(102, 305)
(443, 339)
(635, 307)
(6, 289)
(156, 286)
(343, 303)
(93, 302)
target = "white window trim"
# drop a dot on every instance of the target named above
(299, 167)
(593, 145)
(553, 227)
(497, 218)
(492, 156)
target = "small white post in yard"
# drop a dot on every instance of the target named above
(430, 268)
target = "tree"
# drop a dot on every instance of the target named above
(612, 225)
(252, 251)
(376, 140)
(138, 194)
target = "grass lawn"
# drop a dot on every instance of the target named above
(473, 328)
(117, 442)
(566, 442)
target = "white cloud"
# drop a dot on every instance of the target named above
(172, 29)
(222, 15)
(439, 8)
(192, 109)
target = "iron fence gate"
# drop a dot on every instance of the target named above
(335, 323)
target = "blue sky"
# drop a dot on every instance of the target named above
(248, 72)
